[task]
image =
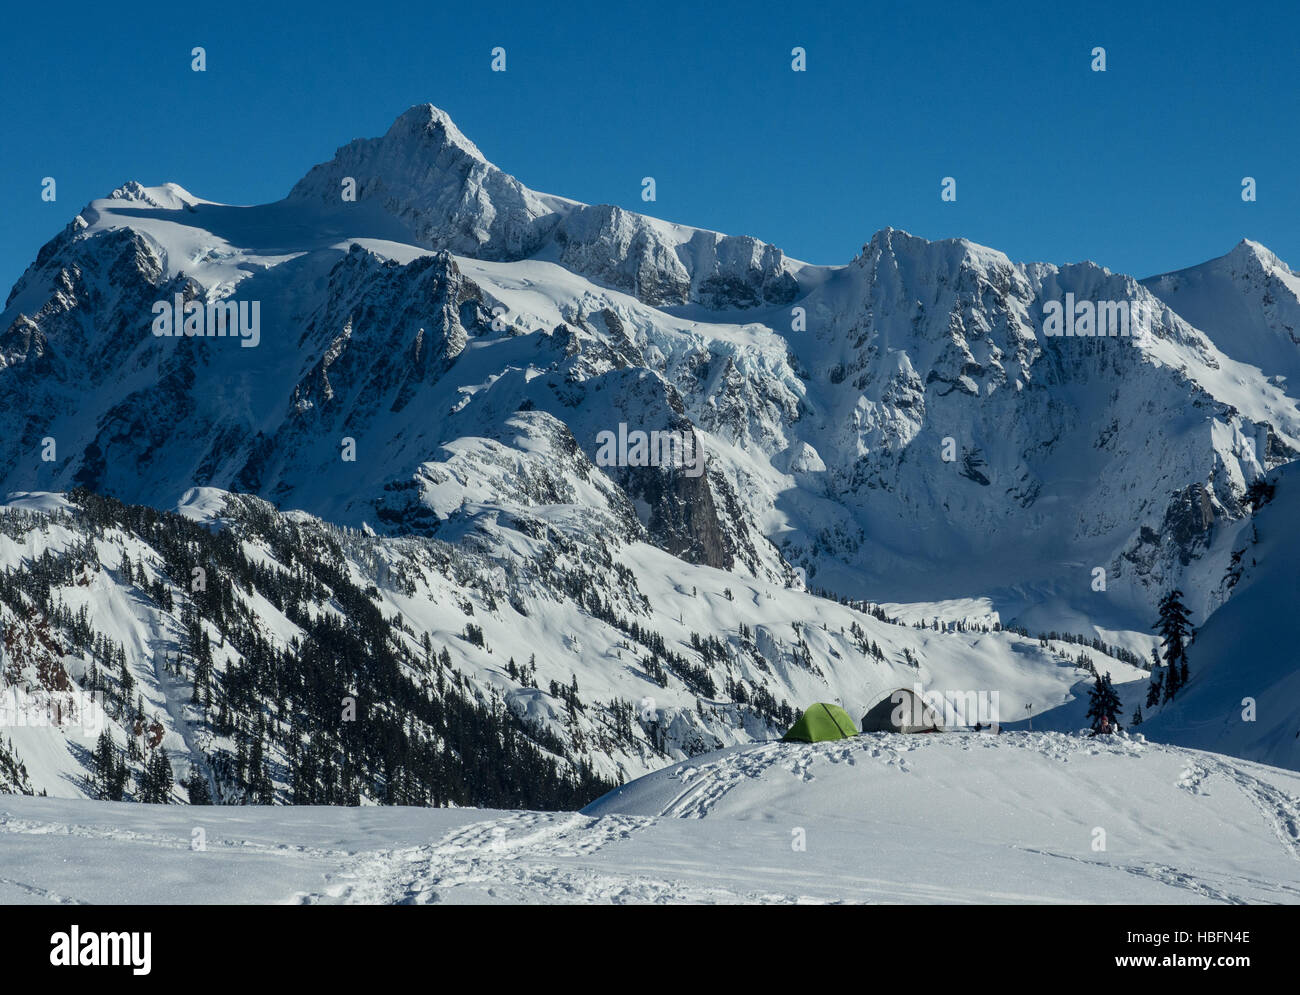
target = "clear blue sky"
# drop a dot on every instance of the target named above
(1138, 168)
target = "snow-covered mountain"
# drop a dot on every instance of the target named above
(1248, 301)
(419, 396)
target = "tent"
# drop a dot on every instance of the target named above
(819, 722)
(902, 711)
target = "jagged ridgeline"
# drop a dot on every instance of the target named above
(353, 708)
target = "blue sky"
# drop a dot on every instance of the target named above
(1138, 168)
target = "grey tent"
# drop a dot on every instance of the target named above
(902, 711)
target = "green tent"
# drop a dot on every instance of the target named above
(819, 722)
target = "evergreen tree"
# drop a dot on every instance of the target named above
(260, 788)
(127, 686)
(1153, 687)
(156, 786)
(1103, 704)
(121, 781)
(1175, 631)
(197, 787)
(105, 761)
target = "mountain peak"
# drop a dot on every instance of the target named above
(168, 196)
(1255, 254)
(429, 123)
(948, 252)
(424, 173)
(887, 236)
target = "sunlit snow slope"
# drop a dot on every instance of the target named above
(974, 818)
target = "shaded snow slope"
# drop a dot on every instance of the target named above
(1244, 664)
(1245, 661)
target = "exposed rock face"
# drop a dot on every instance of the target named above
(1188, 520)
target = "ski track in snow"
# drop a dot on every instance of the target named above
(1163, 873)
(165, 841)
(529, 856)
(1193, 777)
(1280, 811)
(708, 784)
(54, 898)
